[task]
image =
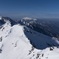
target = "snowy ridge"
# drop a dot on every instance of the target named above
(14, 44)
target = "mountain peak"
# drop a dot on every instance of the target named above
(6, 19)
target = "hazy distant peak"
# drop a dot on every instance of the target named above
(35, 19)
(0, 17)
(27, 18)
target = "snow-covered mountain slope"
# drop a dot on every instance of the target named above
(19, 42)
(38, 40)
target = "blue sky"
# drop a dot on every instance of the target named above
(30, 8)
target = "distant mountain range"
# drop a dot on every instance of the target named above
(46, 27)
